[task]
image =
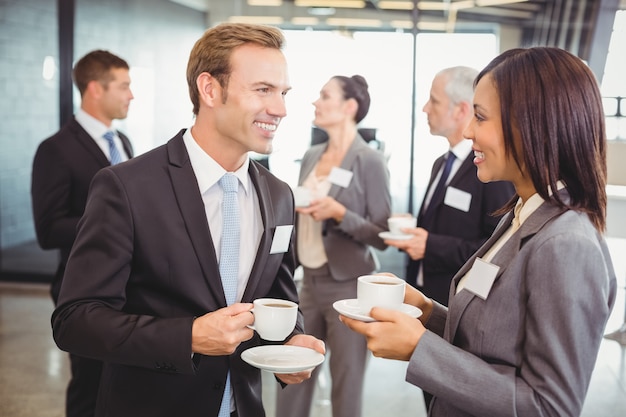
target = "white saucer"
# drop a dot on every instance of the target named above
(392, 236)
(282, 359)
(350, 308)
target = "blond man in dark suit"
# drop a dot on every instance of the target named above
(143, 288)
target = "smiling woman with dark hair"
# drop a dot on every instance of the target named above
(528, 310)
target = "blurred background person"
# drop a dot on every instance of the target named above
(497, 351)
(63, 167)
(350, 202)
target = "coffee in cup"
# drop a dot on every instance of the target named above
(397, 223)
(274, 319)
(379, 291)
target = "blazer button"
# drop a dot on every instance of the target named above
(218, 386)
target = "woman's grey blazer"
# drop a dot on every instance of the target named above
(368, 206)
(528, 349)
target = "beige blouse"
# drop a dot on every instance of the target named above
(311, 252)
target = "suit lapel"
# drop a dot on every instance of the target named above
(309, 162)
(128, 147)
(535, 222)
(436, 168)
(192, 210)
(348, 161)
(458, 302)
(88, 143)
(466, 165)
(269, 226)
(464, 169)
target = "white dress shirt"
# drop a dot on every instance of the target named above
(96, 130)
(208, 172)
(460, 151)
(521, 212)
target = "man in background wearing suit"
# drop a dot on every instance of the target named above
(454, 221)
(144, 290)
(62, 171)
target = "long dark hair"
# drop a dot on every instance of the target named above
(551, 103)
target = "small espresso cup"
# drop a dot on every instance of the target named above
(379, 291)
(274, 319)
(302, 196)
(397, 223)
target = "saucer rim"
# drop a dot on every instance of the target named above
(366, 317)
(316, 358)
(390, 236)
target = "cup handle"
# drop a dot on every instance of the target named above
(251, 326)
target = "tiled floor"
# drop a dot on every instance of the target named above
(34, 373)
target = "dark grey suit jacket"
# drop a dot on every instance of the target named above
(529, 349)
(142, 268)
(453, 234)
(63, 168)
(368, 206)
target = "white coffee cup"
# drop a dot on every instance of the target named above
(397, 223)
(302, 196)
(379, 291)
(274, 319)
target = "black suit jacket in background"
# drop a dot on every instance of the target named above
(63, 168)
(454, 235)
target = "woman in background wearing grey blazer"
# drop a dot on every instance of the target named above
(349, 185)
(528, 310)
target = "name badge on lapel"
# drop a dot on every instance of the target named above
(282, 236)
(340, 177)
(481, 277)
(458, 199)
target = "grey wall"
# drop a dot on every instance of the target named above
(28, 106)
(154, 36)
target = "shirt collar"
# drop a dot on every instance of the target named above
(207, 170)
(523, 210)
(93, 126)
(462, 149)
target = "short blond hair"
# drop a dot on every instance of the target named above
(211, 53)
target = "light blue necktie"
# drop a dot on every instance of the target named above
(116, 158)
(229, 257)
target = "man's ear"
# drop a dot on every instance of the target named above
(94, 89)
(209, 90)
(464, 109)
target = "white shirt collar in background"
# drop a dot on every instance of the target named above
(96, 129)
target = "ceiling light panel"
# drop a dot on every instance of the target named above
(270, 3)
(305, 21)
(346, 4)
(395, 5)
(483, 3)
(335, 21)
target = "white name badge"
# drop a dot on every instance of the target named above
(282, 236)
(458, 199)
(340, 177)
(481, 277)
